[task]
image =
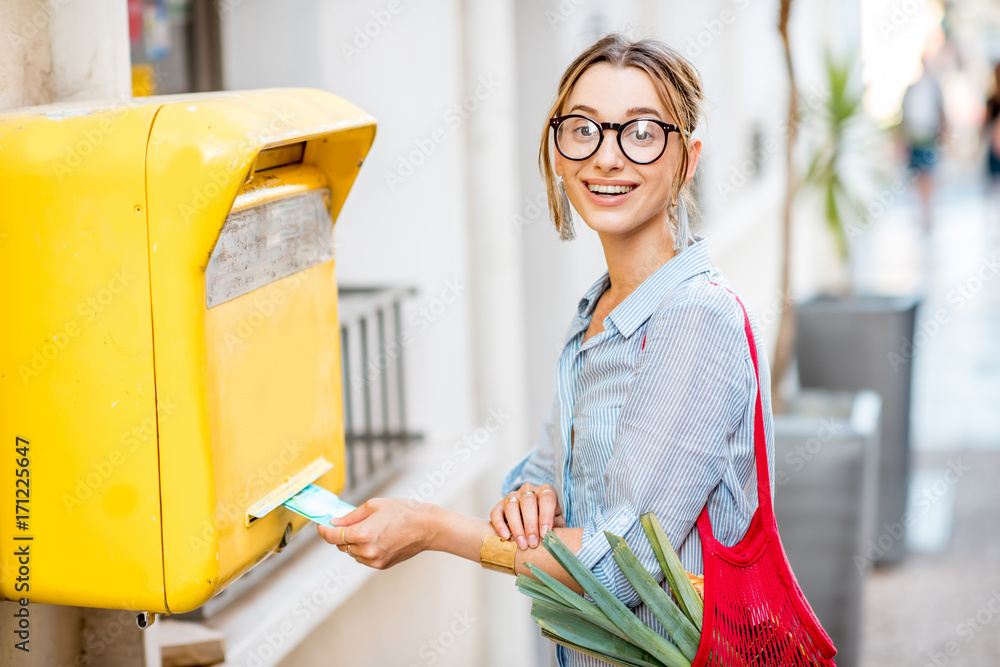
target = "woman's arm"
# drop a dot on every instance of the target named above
(385, 531)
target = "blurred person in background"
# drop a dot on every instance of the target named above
(923, 125)
(991, 136)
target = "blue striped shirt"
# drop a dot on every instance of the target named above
(664, 427)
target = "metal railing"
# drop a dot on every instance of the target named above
(372, 349)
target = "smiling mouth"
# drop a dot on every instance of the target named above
(610, 190)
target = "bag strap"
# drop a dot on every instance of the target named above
(759, 434)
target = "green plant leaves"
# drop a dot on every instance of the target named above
(687, 597)
(606, 628)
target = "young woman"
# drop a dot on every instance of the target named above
(656, 388)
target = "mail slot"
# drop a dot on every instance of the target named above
(169, 354)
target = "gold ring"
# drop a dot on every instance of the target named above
(349, 551)
(513, 499)
(546, 491)
(342, 538)
(527, 492)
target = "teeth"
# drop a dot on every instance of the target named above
(610, 189)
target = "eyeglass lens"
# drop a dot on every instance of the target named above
(641, 140)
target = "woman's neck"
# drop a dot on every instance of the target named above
(633, 257)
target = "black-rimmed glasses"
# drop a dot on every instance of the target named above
(641, 140)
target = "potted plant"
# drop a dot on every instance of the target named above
(846, 340)
(826, 441)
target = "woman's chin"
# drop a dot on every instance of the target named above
(612, 225)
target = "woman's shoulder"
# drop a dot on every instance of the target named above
(706, 295)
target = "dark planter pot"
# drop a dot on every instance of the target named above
(826, 467)
(866, 342)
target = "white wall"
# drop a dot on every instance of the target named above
(413, 232)
(61, 50)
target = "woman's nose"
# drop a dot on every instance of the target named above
(609, 156)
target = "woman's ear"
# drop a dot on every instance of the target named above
(557, 163)
(694, 153)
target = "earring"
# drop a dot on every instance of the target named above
(566, 231)
(683, 232)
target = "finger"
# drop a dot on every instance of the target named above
(529, 516)
(354, 516)
(328, 533)
(336, 535)
(512, 511)
(547, 505)
(352, 551)
(559, 519)
(497, 519)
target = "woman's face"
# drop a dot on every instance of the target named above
(608, 94)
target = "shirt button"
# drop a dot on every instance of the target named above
(622, 521)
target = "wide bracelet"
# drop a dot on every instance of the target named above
(498, 555)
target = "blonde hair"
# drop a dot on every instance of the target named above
(678, 86)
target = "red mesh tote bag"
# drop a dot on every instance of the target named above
(755, 612)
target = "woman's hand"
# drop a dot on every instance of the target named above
(527, 514)
(383, 531)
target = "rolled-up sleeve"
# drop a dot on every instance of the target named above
(538, 467)
(670, 442)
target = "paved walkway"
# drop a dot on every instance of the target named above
(941, 606)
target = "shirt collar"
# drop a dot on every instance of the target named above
(640, 304)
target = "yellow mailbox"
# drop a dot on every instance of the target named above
(169, 353)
